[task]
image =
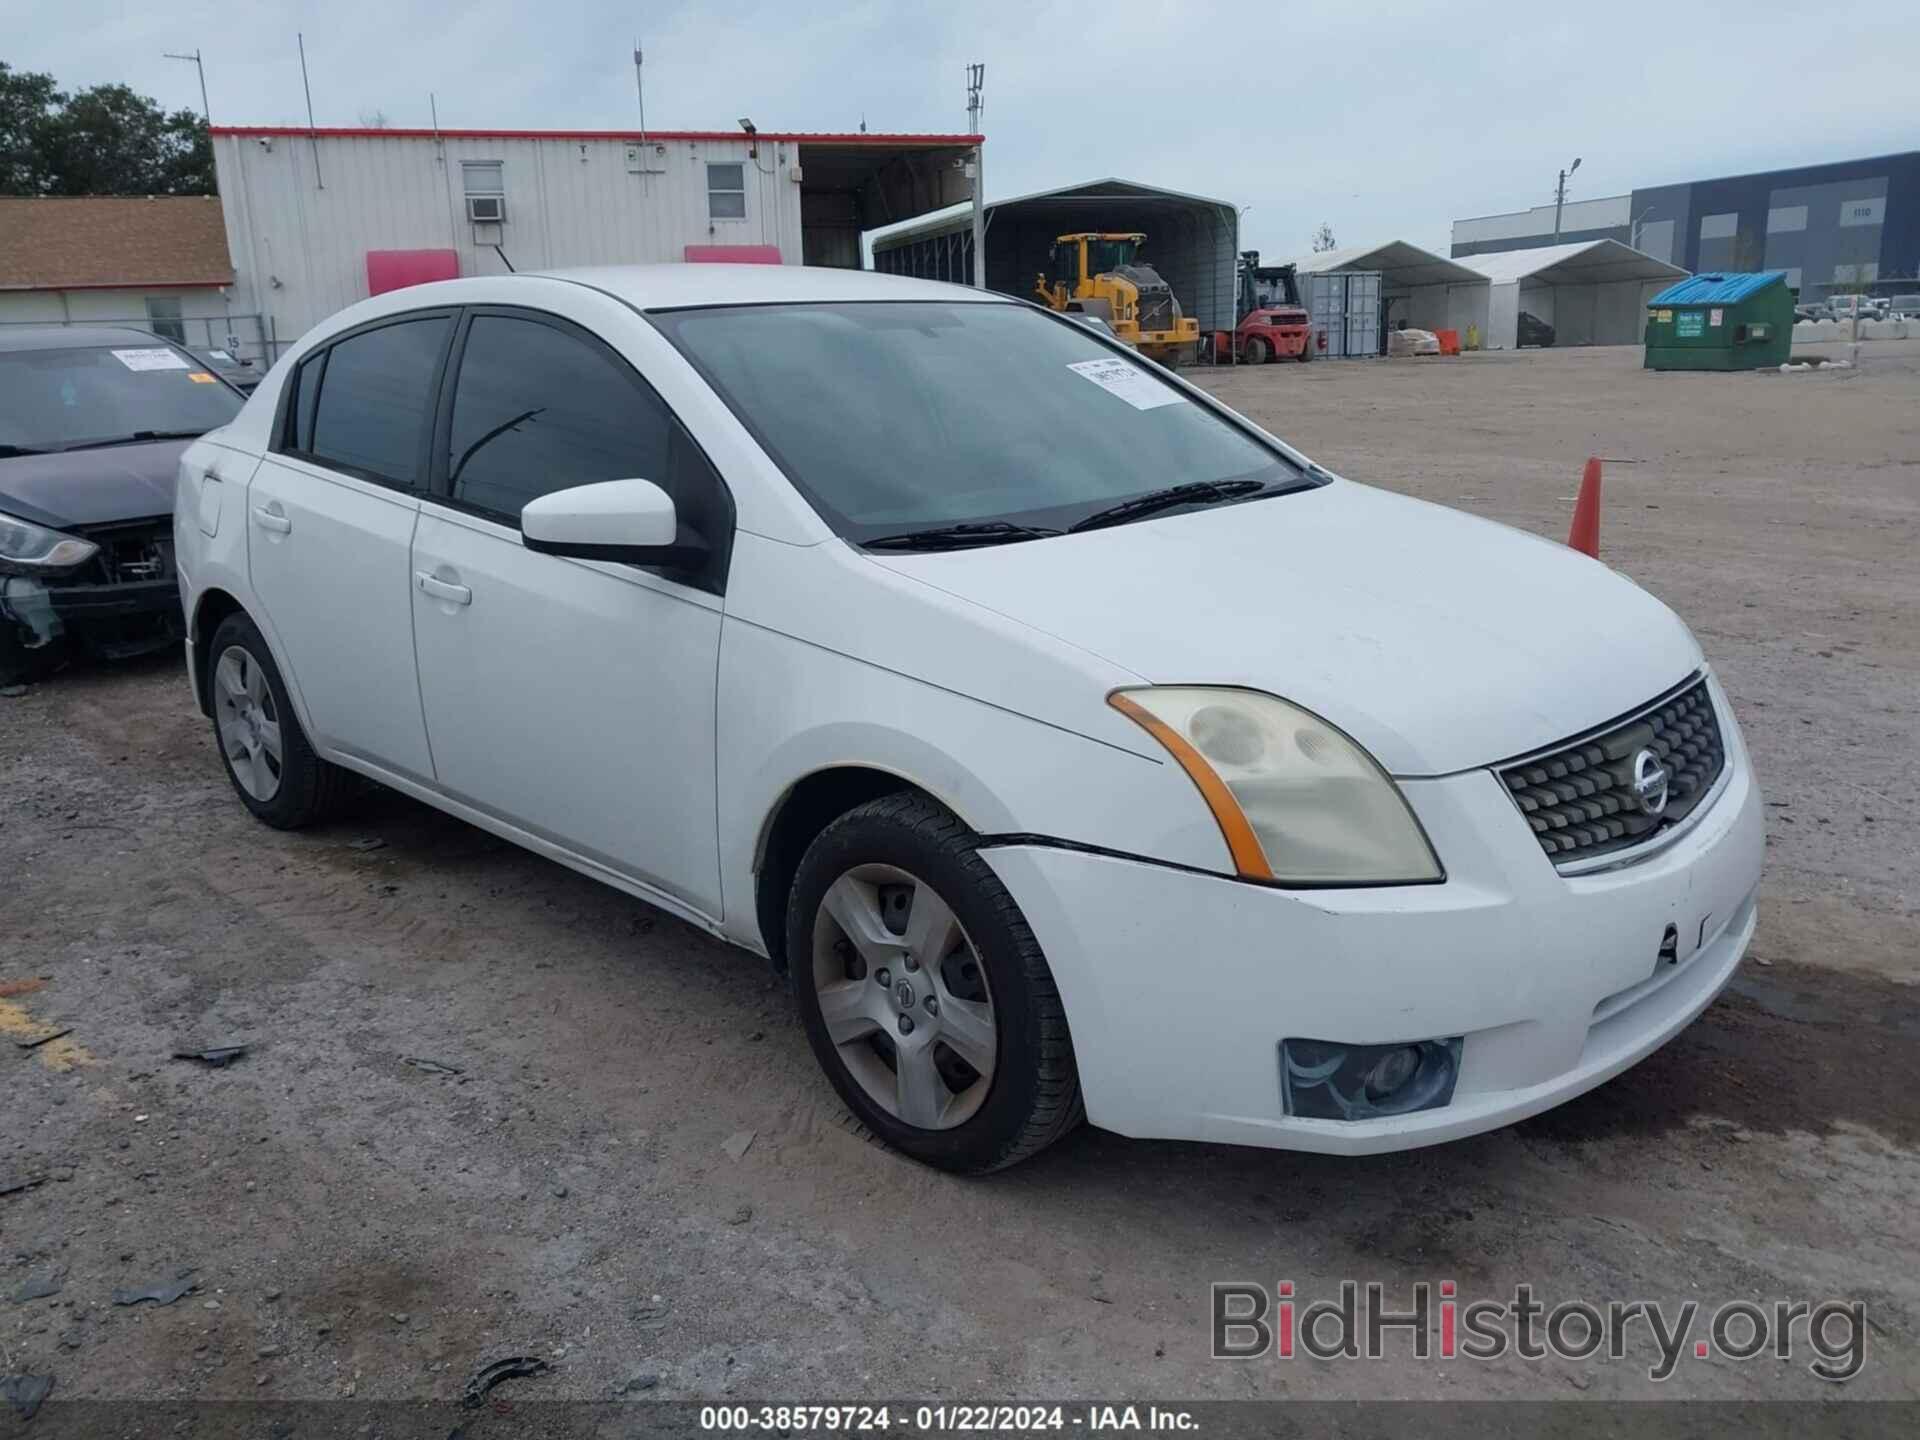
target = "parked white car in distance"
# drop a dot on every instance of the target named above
(1070, 741)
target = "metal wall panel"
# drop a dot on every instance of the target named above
(303, 212)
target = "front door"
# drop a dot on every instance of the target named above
(330, 519)
(571, 698)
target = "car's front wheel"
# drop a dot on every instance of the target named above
(923, 992)
(268, 757)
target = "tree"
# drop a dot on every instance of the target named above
(375, 120)
(1323, 238)
(25, 99)
(105, 140)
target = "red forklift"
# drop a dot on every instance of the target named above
(1273, 320)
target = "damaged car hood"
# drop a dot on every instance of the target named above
(1439, 640)
(92, 487)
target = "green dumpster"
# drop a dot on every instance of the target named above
(1720, 321)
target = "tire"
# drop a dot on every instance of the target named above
(287, 791)
(1256, 350)
(1024, 1092)
(1306, 350)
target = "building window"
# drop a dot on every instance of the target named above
(1719, 227)
(1846, 274)
(163, 318)
(485, 185)
(727, 191)
(1863, 212)
(1784, 218)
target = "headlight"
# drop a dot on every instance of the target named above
(1296, 800)
(29, 549)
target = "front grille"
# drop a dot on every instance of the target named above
(1156, 309)
(1580, 799)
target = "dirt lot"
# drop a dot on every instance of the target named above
(559, 1184)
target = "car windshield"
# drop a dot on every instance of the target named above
(896, 416)
(68, 399)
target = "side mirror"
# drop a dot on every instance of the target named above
(627, 521)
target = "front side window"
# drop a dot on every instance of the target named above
(727, 192)
(106, 395)
(371, 406)
(896, 416)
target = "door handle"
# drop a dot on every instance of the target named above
(443, 589)
(271, 520)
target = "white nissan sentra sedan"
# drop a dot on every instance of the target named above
(1076, 746)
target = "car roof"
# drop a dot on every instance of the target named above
(72, 337)
(671, 287)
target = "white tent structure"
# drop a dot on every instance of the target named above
(1428, 291)
(1593, 292)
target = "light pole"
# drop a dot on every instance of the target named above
(205, 113)
(1633, 228)
(1560, 197)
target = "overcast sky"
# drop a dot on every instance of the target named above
(1384, 118)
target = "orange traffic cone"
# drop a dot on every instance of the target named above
(1585, 534)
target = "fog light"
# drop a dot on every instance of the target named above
(1329, 1080)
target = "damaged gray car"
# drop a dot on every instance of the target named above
(92, 423)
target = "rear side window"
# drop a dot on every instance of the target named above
(537, 409)
(366, 404)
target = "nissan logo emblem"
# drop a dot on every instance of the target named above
(1650, 779)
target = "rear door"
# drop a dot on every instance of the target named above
(571, 698)
(330, 518)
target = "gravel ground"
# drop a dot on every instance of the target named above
(488, 1104)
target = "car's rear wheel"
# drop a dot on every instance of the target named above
(268, 757)
(923, 992)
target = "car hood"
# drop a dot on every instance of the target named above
(1439, 640)
(91, 487)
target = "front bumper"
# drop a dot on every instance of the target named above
(1179, 987)
(40, 620)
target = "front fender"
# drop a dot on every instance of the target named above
(789, 710)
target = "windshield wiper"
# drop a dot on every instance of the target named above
(1197, 492)
(138, 437)
(956, 537)
(7, 451)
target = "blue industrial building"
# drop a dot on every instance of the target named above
(1850, 226)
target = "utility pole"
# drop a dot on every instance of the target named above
(205, 113)
(976, 80)
(1560, 197)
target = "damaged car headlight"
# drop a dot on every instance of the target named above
(1296, 799)
(30, 549)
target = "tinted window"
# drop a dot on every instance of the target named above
(63, 399)
(899, 415)
(536, 410)
(376, 399)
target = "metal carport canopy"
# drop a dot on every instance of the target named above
(1401, 266)
(1585, 262)
(1191, 239)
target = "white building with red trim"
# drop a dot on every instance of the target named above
(317, 219)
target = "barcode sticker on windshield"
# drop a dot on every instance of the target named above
(154, 359)
(1129, 382)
